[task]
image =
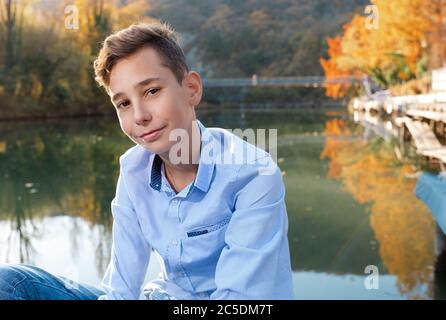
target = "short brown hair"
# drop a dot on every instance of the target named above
(159, 36)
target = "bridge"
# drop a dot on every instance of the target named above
(301, 81)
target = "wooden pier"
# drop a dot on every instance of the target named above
(425, 140)
(420, 119)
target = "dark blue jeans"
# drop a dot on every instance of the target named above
(25, 282)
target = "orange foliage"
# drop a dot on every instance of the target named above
(404, 29)
(332, 71)
(336, 131)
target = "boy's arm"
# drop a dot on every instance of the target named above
(255, 263)
(130, 252)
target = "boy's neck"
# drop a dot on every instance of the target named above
(194, 153)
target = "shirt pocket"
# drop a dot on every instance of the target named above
(195, 232)
(202, 248)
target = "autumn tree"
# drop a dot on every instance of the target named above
(333, 72)
(393, 50)
(45, 63)
(11, 30)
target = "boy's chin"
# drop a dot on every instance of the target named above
(157, 147)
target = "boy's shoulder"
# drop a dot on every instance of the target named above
(240, 157)
(134, 156)
(247, 162)
(231, 142)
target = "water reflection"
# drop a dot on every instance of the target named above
(402, 224)
(349, 202)
(57, 168)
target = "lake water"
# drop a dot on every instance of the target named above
(350, 202)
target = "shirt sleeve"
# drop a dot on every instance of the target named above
(255, 262)
(130, 253)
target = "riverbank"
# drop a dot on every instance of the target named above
(34, 116)
(38, 113)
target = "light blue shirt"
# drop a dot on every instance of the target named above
(224, 236)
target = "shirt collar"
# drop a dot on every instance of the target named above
(205, 166)
(155, 173)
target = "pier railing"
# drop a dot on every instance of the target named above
(299, 81)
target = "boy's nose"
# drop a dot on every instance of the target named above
(141, 115)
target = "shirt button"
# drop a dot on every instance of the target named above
(174, 201)
(174, 242)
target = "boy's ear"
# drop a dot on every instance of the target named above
(194, 87)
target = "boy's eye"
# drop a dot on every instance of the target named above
(123, 104)
(151, 92)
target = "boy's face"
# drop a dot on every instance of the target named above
(147, 96)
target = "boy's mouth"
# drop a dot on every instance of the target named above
(151, 135)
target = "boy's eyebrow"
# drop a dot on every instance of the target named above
(146, 82)
(139, 84)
